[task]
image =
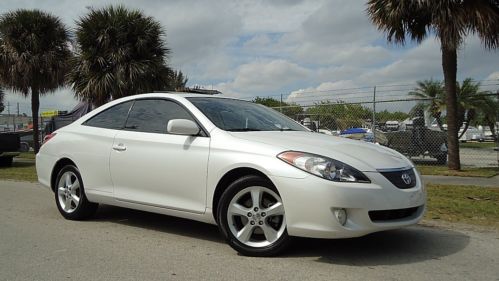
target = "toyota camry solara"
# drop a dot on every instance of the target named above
(260, 176)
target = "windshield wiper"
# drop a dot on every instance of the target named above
(287, 129)
(243, 129)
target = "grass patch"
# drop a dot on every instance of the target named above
(478, 145)
(465, 204)
(464, 172)
(27, 155)
(20, 171)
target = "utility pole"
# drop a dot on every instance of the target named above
(8, 115)
(373, 126)
(280, 105)
(496, 137)
(14, 117)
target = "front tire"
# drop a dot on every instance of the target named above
(251, 217)
(70, 195)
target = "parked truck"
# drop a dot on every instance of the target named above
(418, 140)
(10, 144)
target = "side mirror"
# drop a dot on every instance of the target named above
(182, 127)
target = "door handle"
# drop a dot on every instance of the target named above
(119, 147)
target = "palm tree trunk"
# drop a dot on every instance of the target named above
(466, 125)
(493, 130)
(470, 115)
(449, 65)
(438, 118)
(35, 105)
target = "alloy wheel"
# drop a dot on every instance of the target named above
(256, 216)
(69, 192)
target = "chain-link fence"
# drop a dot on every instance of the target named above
(393, 117)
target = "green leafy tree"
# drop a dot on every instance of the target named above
(386, 115)
(291, 110)
(120, 52)
(433, 93)
(34, 54)
(450, 21)
(268, 102)
(339, 115)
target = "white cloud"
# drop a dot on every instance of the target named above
(257, 47)
(338, 22)
(272, 16)
(424, 62)
(345, 54)
(264, 77)
(258, 41)
(197, 31)
(336, 73)
(493, 76)
(339, 90)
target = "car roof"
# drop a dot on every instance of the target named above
(179, 94)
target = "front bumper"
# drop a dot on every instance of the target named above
(310, 205)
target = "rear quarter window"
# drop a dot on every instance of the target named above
(111, 118)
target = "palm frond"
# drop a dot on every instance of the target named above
(121, 52)
(34, 51)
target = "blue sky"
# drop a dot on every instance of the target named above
(254, 48)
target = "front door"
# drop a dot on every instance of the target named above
(151, 167)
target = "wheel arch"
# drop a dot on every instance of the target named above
(57, 167)
(228, 178)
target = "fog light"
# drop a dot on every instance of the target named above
(341, 215)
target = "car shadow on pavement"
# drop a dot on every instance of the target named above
(158, 222)
(401, 246)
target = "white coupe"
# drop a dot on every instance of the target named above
(260, 176)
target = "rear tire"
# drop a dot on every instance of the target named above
(251, 217)
(70, 196)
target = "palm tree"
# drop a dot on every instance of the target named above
(119, 52)
(470, 101)
(434, 98)
(489, 115)
(178, 81)
(34, 53)
(450, 21)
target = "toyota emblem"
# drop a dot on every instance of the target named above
(406, 178)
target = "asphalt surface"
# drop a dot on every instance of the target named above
(36, 243)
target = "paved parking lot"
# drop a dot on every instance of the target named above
(36, 243)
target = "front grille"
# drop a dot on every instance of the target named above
(388, 215)
(402, 179)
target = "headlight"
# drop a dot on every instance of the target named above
(323, 167)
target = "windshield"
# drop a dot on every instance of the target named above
(241, 116)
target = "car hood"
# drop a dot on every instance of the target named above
(358, 154)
